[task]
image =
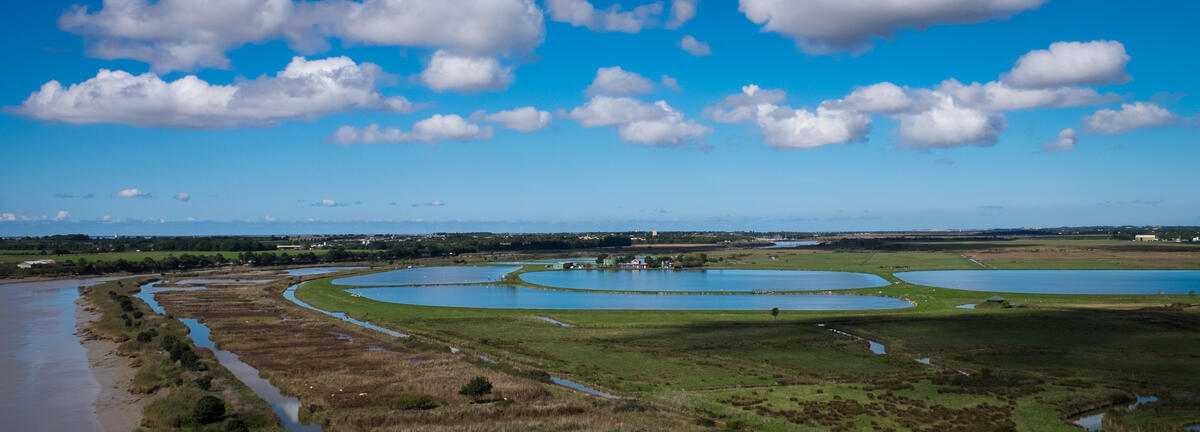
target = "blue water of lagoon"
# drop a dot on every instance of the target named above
(507, 297)
(704, 280)
(1060, 281)
(782, 244)
(429, 275)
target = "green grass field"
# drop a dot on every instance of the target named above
(1030, 367)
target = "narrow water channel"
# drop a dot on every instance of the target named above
(1095, 421)
(287, 407)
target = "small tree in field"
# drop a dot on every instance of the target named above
(209, 409)
(478, 386)
(775, 313)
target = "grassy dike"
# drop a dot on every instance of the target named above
(1030, 368)
(176, 386)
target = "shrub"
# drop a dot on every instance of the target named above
(144, 337)
(204, 382)
(477, 387)
(208, 409)
(189, 360)
(412, 402)
(236, 425)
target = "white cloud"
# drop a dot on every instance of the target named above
(1071, 63)
(434, 203)
(185, 34)
(131, 193)
(656, 124)
(785, 128)
(670, 82)
(526, 119)
(304, 90)
(682, 11)
(949, 124)
(268, 218)
(8, 217)
(328, 203)
(1131, 116)
(694, 47)
(743, 106)
(581, 13)
(614, 81)
(183, 196)
(435, 129)
(826, 26)
(1067, 138)
(997, 96)
(465, 74)
(883, 97)
(61, 216)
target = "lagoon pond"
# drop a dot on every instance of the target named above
(1060, 281)
(429, 276)
(508, 297)
(705, 280)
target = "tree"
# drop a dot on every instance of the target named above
(477, 387)
(775, 313)
(209, 409)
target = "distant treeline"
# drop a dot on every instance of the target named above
(80, 243)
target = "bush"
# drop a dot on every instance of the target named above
(477, 387)
(204, 382)
(412, 402)
(208, 409)
(145, 336)
(236, 425)
(189, 360)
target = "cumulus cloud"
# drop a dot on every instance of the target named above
(1067, 138)
(694, 47)
(786, 128)
(183, 196)
(656, 124)
(526, 119)
(435, 129)
(614, 81)
(1131, 116)
(429, 204)
(581, 13)
(465, 74)
(670, 82)
(184, 34)
(682, 11)
(268, 218)
(7, 217)
(131, 193)
(304, 90)
(949, 114)
(61, 216)
(949, 124)
(743, 106)
(1071, 63)
(827, 26)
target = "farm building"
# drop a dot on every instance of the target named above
(1145, 237)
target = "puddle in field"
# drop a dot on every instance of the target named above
(924, 361)
(580, 387)
(554, 321)
(342, 336)
(1095, 420)
(875, 347)
(287, 407)
(965, 306)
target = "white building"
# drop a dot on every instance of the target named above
(1145, 237)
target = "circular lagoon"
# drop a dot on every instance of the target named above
(429, 276)
(506, 297)
(704, 280)
(1060, 281)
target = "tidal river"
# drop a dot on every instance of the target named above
(45, 381)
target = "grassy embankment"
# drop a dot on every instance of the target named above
(1030, 367)
(175, 384)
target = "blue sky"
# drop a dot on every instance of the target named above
(259, 150)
